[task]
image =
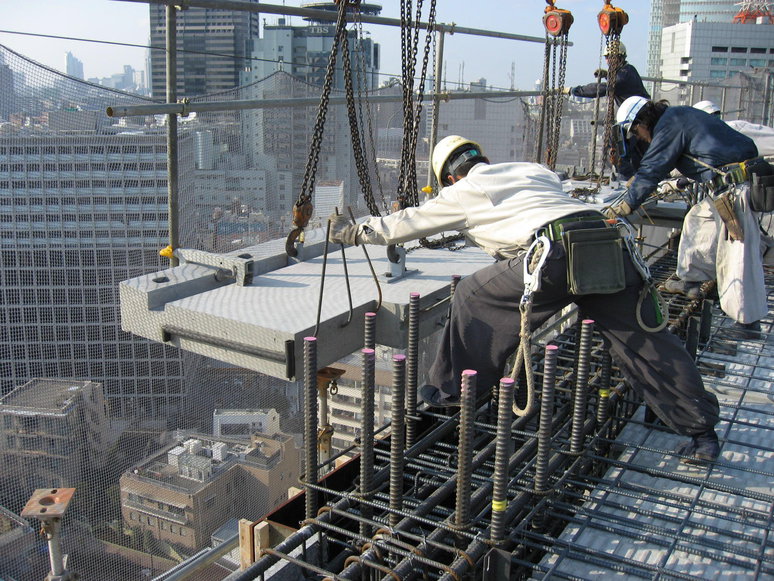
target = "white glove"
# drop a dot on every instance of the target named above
(342, 230)
(620, 209)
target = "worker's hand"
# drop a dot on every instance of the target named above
(600, 73)
(342, 230)
(566, 90)
(617, 210)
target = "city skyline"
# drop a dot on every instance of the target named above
(24, 24)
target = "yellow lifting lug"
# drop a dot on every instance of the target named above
(612, 19)
(557, 21)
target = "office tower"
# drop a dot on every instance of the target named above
(73, 66)
(665, 13)
(212, 49)
(81, 212)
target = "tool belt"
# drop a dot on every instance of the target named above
(757, 171)
(594, 251)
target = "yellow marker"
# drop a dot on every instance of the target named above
(499, 505)
(427, 190)
(167, 252)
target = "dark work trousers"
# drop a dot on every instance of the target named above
(483, 331)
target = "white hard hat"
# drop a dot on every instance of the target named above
(628, 111)
(707, 107)
(621, 49)
(444, 151)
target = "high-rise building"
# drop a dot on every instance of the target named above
(73, 66)
(80, 212)
(665, 13)
(212, 46)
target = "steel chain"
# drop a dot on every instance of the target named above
(613, 47)
(370, 126)
(355, 134)
(307, 187)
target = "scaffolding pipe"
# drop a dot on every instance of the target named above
(436, 107)
(315, 14)
(412, 366)
(367, 436)
(173, 108)
(173, 212)
(397, 437)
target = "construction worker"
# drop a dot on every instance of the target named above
(627, 80)
(720, 236)
(501, 208)
(762, 135)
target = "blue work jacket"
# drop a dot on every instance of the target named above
(627, 84)
(681, 131)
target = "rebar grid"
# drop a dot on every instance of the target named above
(605, 471)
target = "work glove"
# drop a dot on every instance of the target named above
(342, 230)
(566, 90)
(617, 210)
(601, 73)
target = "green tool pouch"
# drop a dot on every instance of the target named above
(594, 258)
(762, 193)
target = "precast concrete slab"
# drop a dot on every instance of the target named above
(262, 325)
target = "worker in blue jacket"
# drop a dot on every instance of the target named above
(627, 80)
(701, 147)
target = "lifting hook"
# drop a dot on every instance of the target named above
(302, 212)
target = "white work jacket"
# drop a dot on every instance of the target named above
(497, 207)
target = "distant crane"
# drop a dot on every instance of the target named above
(751, 10)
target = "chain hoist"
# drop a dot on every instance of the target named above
(303, 209)
(557, 23)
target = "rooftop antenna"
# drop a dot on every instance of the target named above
(512, 76)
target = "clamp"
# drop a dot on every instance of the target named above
(241, 267)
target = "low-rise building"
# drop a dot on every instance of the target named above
(188, 490)
(52, 432)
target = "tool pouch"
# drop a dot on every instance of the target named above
(724, 204)
(594, 258)
(762, 193)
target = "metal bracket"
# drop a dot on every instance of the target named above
(239, 267)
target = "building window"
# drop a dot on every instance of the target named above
(757, 62)
(717, 74)
(719, 61)
(739, 49)
(719, 49)
(737, 62)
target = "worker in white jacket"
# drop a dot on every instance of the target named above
(500, 208)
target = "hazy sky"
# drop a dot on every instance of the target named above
(467, 58)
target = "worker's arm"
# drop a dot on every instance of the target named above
(660, 158)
